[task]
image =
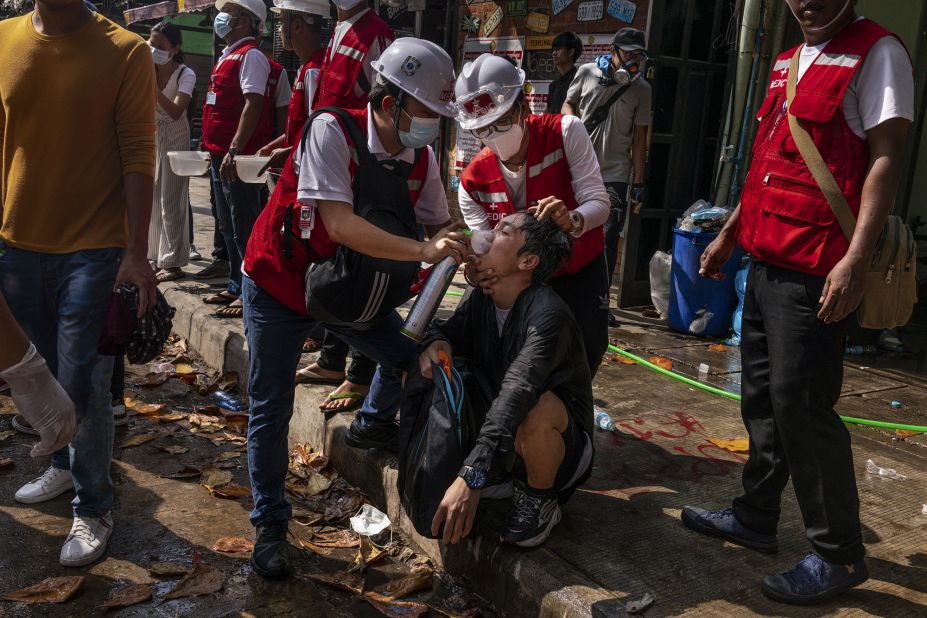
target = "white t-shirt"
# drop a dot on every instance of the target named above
(182, 80)
(372, 53)
(881, 89)
(310, 83)
(255, 68)
(284, 91)
(324, 173)
(588, 187)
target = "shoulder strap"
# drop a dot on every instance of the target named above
(815, 162)
(598, 116)
(357, 137)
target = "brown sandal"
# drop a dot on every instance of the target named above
(170, 274)
(231, 311)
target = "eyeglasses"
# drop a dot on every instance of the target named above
(503, 125)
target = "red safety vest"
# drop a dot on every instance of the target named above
(297, 114)
(784, 218)
(548, 174)
(284, 278)
(220, 120)
(343, 68)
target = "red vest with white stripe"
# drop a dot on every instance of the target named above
(220, 120)
(547, 174)
(343, 68)
(297, 114)
(265, 263)
(784, 218)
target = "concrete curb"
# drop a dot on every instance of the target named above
(517, 582)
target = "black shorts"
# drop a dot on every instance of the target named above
(576, 466)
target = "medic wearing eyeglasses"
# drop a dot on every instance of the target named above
(557, 176)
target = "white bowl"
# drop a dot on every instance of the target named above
(248, 167)
(189, 162)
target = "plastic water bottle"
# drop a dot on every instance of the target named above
(603, 421)
(227, 401)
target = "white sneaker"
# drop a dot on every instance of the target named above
(87, 540)
(51, 484)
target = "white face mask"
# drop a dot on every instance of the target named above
(505, 145)
(160, 56)
(346, 5)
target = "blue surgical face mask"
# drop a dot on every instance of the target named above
(422, 131)
(222, 24)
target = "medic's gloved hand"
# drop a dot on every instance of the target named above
(638, 193)
(42, 402)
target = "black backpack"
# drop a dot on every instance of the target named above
(351, 288)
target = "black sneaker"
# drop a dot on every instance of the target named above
(269, 556)
(215, 270)
(613, 321)
(724, 525)
(120, 416)
(375, 436)
(532, 518)
(814, 580)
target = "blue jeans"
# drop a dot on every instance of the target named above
(275, 338)
(238, 205)
(60, 301)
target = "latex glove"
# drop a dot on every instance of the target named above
(42, 402)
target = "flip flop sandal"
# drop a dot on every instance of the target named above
(231, 311)
(356, 400)
(170, 274)
(222, 298)
(311, 345)
(21, 425)
(308, 376)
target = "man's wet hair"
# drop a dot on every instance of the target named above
(546, 240)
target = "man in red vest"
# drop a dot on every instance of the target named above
(238, 118)
(854, 96)
(312, 220)
(557, 177)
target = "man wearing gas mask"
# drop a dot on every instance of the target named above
(612, 98)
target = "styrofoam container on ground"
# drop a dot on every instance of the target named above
(189, 162)
(249, 166)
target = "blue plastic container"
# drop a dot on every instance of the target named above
(693, 297)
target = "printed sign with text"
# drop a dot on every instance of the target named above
(517, 8)
(509, 46)
(625, 10)
(536, 93)
(558, 6)
(595, 45)
(492, 21)
(538, 22)
(590, 11)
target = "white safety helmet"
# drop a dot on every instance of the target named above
(312, 7)
(255, 7)
(422, 69)
(486, 89)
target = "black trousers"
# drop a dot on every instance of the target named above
(219, 251)
(792, 377)
(334, 358)
(618, 196)
(586, 292)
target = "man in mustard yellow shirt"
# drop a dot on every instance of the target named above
(77, 98)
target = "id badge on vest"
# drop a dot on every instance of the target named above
(306, 221)
(210, 98)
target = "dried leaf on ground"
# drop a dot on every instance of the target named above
(208, 410)
(228, 381)
(662, 363)
(6, 462)
(183, 369)
(233, 545)
(138, 440)
(226, 465)
(904, 434)
(473, 612)
(51, 590)
(396, 609)
(128, 596)
(6, 434)
(168, 569)
(237, 421)
(349, 582)
(342, 501)
(214, 477)
(624, 360)
(187, 472)
(718, 347)
(738, 445)
(340, 539)
(227, 455)
(230, 491)
(202, 580)
(155, 379)
(315, 549)
(151, 409)
(416, 582)
(201, 420)
(367, 555)
(174, 450)
(312, 485)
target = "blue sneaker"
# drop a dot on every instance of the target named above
(814, 580)
(724, 525)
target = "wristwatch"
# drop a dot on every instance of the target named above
(577, 223)
(233, 152)
(473, 477)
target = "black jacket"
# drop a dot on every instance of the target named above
(540, 349)
(557, 93)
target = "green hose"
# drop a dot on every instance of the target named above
(735, 396)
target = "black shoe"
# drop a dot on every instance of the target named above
(269, 556)
(724, 525)
(375, 436)
(814, 581)
(215, 270)
(613, 321)
(532, 518)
